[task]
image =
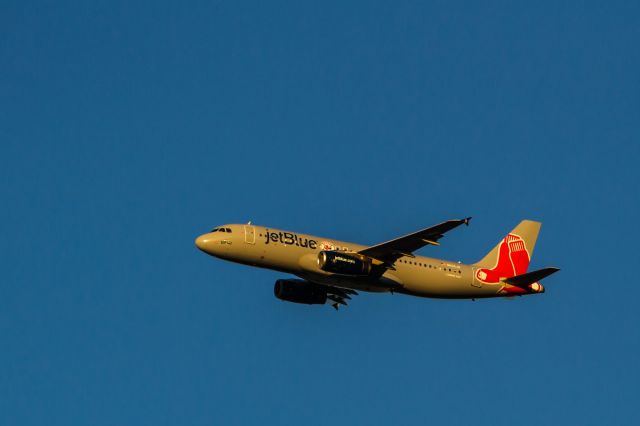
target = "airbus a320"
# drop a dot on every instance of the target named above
(334, 271)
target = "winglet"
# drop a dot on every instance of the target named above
(467, 220)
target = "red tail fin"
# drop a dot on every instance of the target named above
(511, 256)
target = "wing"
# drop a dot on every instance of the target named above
(392, 250)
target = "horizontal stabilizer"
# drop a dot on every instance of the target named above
(524, 280)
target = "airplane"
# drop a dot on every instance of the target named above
(334, 271)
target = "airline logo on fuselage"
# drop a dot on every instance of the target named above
(290, 239)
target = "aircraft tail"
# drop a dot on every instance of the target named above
(511, 256)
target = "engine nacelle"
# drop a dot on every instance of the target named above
(299, 291)
(343, 263)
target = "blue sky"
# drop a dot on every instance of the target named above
(128, 128)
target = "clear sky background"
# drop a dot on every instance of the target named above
(127, 128)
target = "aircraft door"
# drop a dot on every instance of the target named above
(474, 280)
(249, 234)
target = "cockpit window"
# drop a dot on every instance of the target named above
(221, 230)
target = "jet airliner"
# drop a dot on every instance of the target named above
(333, 271)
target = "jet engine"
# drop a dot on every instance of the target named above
(343, 263)
(299, 291)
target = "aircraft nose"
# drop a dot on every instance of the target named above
(202, 242)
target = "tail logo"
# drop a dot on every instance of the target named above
(513, 259)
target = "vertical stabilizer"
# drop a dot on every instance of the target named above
(512, 254)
